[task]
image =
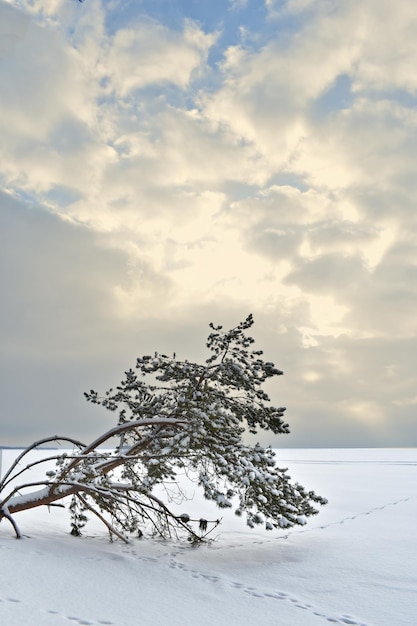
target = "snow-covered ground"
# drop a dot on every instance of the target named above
(355, 563)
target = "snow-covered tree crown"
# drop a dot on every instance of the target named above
(216, 402)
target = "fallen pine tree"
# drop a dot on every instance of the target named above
(184, 417)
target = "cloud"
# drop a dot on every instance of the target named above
(41, 84)
(13, 27)
(236, 5)
(60, 277)
(368, 145)
(267, 92)
(148, 53)
(329, 273)
(46, 112)
(389, 49)
(384, 304)
(269, 95)
(63, 318)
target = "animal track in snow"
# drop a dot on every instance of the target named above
(72, 618)
(348, 620)
(75, 619)
(312, 529)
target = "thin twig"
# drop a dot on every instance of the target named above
(110, 528)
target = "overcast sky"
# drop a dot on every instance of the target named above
(167, 163)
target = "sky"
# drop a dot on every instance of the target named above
(165, 164)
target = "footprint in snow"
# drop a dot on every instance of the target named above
(345, 619)
(79, 620)
(71, 618)
(237, 585)
(277, 595)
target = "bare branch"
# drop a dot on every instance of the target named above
(30, 465)
(7, 515)
(34, 445)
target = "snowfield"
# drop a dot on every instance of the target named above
(355, 563)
